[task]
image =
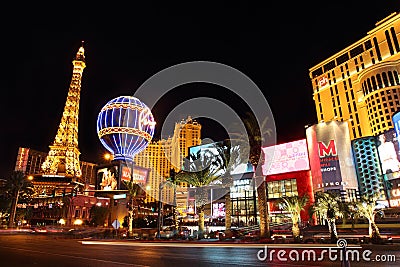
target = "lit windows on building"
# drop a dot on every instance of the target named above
(282, 188)
(360, 84)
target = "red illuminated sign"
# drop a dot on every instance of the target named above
(322, 81)
(125, 174)
(139, 174)
(329, 150)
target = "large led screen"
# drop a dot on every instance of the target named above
(210, 151)
(287, 157)
(388, 150)
(107, 178)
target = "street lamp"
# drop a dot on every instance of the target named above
(160, 188)
(108, 157)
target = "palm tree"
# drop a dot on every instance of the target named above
(327, 206)
(251, 143)
(294, 205)
(367, 207)
(228, 158)
(201, 172)
(16, 185)
(134, 190)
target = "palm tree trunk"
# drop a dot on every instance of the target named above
(295, 229)
(130, 213)
(201, 223)
(228, 210)
(13, 209)
(332, 229)
(263, 210)
(374, 230)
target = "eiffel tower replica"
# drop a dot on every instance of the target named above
(63, 157)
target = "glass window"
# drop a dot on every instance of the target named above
(278, 189)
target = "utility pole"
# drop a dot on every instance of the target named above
(160, 205)
(160, 188)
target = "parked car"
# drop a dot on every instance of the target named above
(183, 232)
(171, 232)
(230, 234)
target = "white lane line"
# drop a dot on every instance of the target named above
(76, 257)
(205, 245)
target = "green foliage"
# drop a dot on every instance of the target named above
(17, 187)
(18, 183)
(293, 205)
(367, 207)
(327, 205)
(254, 138)
(203, 171)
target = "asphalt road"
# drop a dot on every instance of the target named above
(49, 250)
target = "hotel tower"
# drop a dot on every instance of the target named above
(360, 84)
(163, 155)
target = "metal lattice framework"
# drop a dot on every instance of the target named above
(63, 157)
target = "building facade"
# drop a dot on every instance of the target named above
(360, 84)
(30, 162)
(163, 155)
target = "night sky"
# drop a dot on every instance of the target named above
(273, 45)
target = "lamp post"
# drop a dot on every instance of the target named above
(160, 188)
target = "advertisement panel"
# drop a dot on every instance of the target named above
(137, 174)
(394, 192)
(107, 178)
(287, 157)
(211, 151)
(396, 123)
(333, 148)
(218, 210)
(388, 150)
(22, 159)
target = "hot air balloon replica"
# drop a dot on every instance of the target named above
(125, 126)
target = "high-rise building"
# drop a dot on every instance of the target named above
(163, 155)
(63, 157)
(360, 84)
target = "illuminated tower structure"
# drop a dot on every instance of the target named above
(361, 84)
(160, 156)
(63, 157)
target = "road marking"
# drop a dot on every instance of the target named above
(77, 257)
(205, 245)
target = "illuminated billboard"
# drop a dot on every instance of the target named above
(218, 210)
(287, 157)
(330, 148)
(388, 150)
(211, 151)
(112, 176)
(137, 174)
(107, 178)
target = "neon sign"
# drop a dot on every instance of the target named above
(145, 118)
(322, 81)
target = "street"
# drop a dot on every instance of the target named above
(50, 250)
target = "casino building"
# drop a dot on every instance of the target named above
(360, 86)
(288, 173)
(162, 155)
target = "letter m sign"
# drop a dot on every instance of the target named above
(329, 150)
